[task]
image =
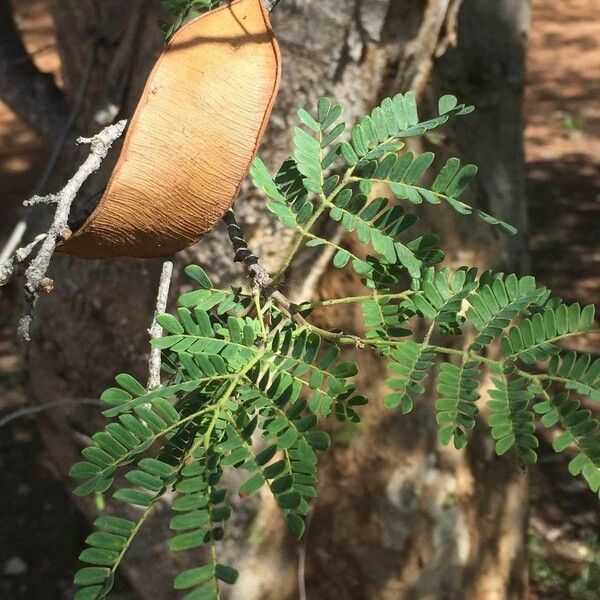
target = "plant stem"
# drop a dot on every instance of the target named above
(230, 389)
(156, 330)
(309, 225)
(354, 299)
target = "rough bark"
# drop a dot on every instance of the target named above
(31, 94)
(487, 69)
(397, 518)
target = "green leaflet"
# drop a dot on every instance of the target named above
(441, 294)
(580, 429)
(511, 418)
(410, 363)
(578, 372)
(456, 409)
(496, 303)
(534, 338)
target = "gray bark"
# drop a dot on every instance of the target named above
(487, 69)
(397, 517)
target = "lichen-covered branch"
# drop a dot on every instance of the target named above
(9, 266)
(156, 330)
(36, 279)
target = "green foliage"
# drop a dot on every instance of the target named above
(248, 378)
(410, 363)
(182, 11)
(456, 406)
(511, 418)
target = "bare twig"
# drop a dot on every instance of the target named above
(8, 267)
(450, 28)
(32, 410)
(156, 330)
(13, 241)
(49, 199)
(36, 279)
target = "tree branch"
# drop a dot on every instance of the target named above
(9, 266)
(36, 280)
(156, 330)
(28, 411)
(32, 95)
(254, 270)
(262, 280)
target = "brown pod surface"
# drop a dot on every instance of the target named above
(192, 137)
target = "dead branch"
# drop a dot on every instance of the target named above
(450, 28)
(9, 266)
(36, 279)
(28, 411)
(156, 330)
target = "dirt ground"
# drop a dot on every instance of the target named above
(42, 533)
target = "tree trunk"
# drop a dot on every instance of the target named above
(397, 517)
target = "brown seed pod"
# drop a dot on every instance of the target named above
(192, 137)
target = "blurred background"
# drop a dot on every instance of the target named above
(397, 517)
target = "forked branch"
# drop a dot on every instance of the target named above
(36, 279)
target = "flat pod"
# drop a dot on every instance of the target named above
(192, 137)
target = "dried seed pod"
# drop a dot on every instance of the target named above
(191, 139)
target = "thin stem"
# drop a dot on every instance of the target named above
(259, 313)
(309, 225)
(156, 330)
(287, 261)
(429, 333)
(230, 389)
(149, 509)
(378, 344)
(354, 299)
(254, 270)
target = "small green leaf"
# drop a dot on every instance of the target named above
(504, 444)
(341, 258)
(226, 574)
(130, 384)
(99, 556)
(91, 576)
(349, 154)
(170, 323)
(253, 484)
(308, 120)
(296, 525)
(115, 525)
(194, 577)
(199, 276)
